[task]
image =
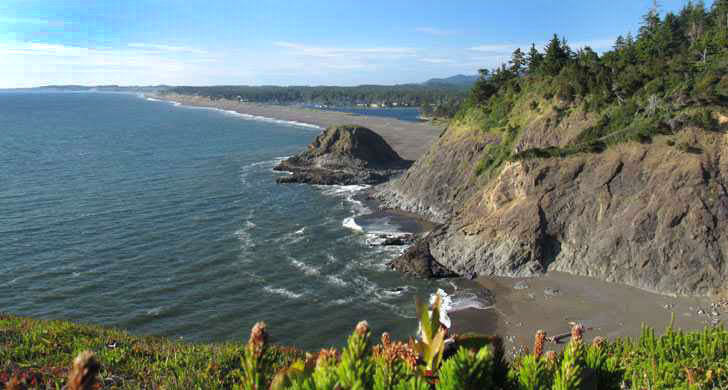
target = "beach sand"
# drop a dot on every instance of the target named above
(611, 310)
(409, 139)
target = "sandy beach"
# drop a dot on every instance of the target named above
(409, 139)
(551, 301)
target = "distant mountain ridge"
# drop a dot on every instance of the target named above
(457, 80)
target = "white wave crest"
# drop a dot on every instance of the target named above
(457, 301)
(282, 292)
(333, 279)
(155, 311)
(342, 301)
(335, 190)
(270, 120)
(305, 268)
(242, 115)
(350, 223)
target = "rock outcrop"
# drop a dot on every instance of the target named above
(651, 215)
(344, 155)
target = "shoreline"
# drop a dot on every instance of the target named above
(549, 302)
(517, 313)
(409, 139)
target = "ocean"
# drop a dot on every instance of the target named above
(167, 220)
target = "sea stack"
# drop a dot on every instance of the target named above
(344, 155)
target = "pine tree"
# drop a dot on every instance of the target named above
(535, 58)
(620, 43)
(518, 61)
(557, 55)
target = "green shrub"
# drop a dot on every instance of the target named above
(40, 350)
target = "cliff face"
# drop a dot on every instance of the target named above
(652, 215)
(344, 155)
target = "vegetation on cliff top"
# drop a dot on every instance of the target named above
(39, 353)
(671, 75)
(435, 99)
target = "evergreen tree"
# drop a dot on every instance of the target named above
(557, 55)
(518, 61)
(535, 58)
(620, 43)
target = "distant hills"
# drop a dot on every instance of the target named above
(459, 80)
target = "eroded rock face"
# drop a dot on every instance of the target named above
(648, 215)
(417, 260)
(344, 155)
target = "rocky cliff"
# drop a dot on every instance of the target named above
(344, 155)
(653, 214)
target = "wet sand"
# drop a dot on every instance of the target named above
(409, 139)
(610, 310)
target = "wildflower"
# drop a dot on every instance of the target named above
(551, 356)
(84, 371)
(258, 335)
(326, 357)
(538, 343)
(690, 377)
(386, 339)
(258, 338)
(577, 332)
(598, 342)
(362, 328)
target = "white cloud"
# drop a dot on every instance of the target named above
(322, 51)
(508, 48)
(437, 60)
(32, 64)
(436, 31)
(497, 48)
(167, 48)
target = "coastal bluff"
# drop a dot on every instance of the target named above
(344, 155)
(653, 215)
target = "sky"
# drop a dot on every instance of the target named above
(289, 42)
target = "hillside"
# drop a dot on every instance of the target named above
(607, 165)
(460, 80)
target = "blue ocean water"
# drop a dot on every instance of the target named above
(167, 220)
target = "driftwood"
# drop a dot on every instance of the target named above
(559, 337)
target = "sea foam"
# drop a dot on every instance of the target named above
(258, 118)
(282, 292)
(350, 223)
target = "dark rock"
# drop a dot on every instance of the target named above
(394, 239)
(344, 155)
(418, 261)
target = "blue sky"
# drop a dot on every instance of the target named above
(332, 42)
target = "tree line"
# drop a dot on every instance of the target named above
(405, 95)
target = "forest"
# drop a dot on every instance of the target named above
(671, 74)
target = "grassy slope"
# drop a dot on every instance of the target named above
(41, 351)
